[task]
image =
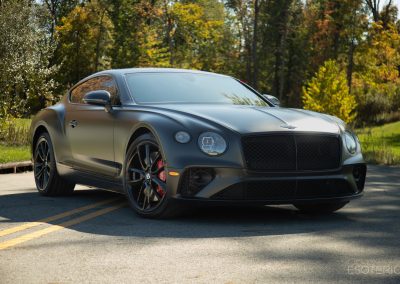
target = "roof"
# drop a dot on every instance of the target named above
(150, 69)
(123, 71)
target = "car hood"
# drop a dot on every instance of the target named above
(253, 119)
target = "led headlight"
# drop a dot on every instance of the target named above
(212, 143)
(351, 143)
(182, 137)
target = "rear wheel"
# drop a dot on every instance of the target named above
(48, 181)
(145, 179)
(320, 208)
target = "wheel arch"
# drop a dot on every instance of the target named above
(38, 131)
(145, 128)
(49, 120)
(141, 130)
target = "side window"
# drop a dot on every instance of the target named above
(80, 91)
(106, 83)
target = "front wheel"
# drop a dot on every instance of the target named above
(320, 208)
(145, 179)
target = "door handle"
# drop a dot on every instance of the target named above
(73, 123)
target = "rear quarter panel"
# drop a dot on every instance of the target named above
(52, 119)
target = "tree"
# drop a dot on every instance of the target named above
(377, 79)
(85, 41)
(386, 15)
(328, 92)
(26, 80)
(196, 36)
(243, 26)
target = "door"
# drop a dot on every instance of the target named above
(90, 128)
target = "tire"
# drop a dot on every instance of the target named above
(48, 181)
(145, 180)
(320, 208)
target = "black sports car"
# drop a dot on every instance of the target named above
(164, 137)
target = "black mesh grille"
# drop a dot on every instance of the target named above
(285, 190)
(276, 152)
(270, 190)
(317, 152)
(323, 188)
(291, 152)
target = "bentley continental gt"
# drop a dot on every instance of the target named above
(168, 137)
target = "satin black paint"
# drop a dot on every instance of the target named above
(90, 141)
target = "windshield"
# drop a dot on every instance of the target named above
(184, 87)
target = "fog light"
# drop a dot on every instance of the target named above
(359, 173)
(195, 179)
(202, 177)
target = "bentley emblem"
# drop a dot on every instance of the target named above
(288, 126)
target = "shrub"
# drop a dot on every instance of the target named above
(328, 92)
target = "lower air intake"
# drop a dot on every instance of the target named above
(285, 190)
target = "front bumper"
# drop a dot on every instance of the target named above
(231, 185)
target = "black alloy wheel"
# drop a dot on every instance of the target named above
(42, 165)
(145, 179)
(48, 181)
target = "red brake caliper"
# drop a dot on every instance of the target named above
(162, 176)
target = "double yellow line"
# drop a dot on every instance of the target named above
(53, 228)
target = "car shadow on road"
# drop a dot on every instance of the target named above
(198, 222)
(376, 212)
(365, 232)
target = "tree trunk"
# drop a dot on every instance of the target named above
(98, 41)
(279, 54)
(373, 5)
(52, 6)
(254, 46)
(168, 33)
(350, 58)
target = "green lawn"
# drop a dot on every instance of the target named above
(381, 144)
(14, 154)
(23, 122)
(17, 133)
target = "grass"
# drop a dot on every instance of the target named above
(15, 132)
(14, 154)
(381, 144)
(14, 141)
(23, 122)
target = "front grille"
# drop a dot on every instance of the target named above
(291, 152)
(285, 190)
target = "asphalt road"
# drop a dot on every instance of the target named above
(105, 242)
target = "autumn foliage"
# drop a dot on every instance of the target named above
(328, 92)
(336, 56)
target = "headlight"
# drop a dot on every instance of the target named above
(182, 137)
(351, 142)
(212, 143)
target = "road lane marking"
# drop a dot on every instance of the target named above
(55, 217)
(54, 228)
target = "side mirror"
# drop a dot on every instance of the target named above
(274, 100)
(99, 98)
